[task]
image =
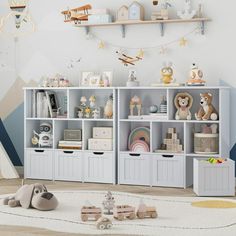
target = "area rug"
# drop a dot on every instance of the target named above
(176, 216)
(215, 204)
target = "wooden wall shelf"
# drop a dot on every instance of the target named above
(123, 24)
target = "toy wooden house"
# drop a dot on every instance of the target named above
(136, 11)
(122, 13)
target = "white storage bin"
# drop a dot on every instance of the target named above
(98, 167)
(213, 179)
(100, 144)
(68, 165)
(134, 169)
(38, 164)
(103, 132)
(168, 170)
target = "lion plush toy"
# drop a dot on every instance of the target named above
(32, 196)
(183, 103)
(207, 110)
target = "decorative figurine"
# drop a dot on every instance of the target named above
(96, 113)
(183, 103)
(87, 112)
(83, 101)
(108, 203)
(89, 212)
(196, 76)
(207, 110)
(92, 100)
(135, 102)
(163, 14)
(153, 109)
(108, 110)
(44, 138)
(122, 212)
(167, 73)
(80, 113)
(132, 81)
(187, 13)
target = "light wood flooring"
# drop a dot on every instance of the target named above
(10, 186)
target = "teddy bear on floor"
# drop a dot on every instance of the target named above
(207, 110)
(183, 103)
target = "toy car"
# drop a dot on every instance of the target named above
(91, 212)
(144, 211)
(124, 211)
(104, 223)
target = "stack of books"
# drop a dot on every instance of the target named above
(70, 145)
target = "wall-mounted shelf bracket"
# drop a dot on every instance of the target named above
(162, 29)
(87, 30)
(123, 31)
(202, 27)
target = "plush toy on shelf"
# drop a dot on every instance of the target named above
(132, 81)
(187, 13)
(183, 103)
(92, 101)
(196, 76)
(167, 73)
(207, 110)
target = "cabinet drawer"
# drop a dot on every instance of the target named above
(98, 167)
(168, 170)
(68, 165)
(134, 169)
(38, 164)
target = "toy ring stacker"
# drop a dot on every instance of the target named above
(140, 133)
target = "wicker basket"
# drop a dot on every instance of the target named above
(206, 143)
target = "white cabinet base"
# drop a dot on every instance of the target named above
(134, 169)
(39, 164)
(98, 167)
(168, 171)
(68, 165)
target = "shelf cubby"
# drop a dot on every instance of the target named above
(101, 94)
(148, 97)
(60, 126)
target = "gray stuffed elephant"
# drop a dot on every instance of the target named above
(33, 196)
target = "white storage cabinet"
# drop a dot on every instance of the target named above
(214, 179)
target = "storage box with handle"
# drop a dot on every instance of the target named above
(100, 144)
(103, 132)
(213, 179)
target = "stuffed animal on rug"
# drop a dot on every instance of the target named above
(207, 110)
(183, 103)
(33, 196)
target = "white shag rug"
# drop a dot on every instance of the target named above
(176, 216)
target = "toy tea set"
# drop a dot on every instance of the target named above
(92, 110)
(119, 212)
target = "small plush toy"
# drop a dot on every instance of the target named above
(135, 102)
(167, 73)
(183, 103)
(207, 110)
(92, 101)
(213, 160)
(33, 196)
(196, 77)
(108, 110)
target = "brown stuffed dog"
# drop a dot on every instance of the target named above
(32, 196)
(207, 110)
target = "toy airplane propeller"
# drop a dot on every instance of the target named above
(128, 60)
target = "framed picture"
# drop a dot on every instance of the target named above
(94, 80)
(52, 103)
(85, 80)
(107, 77)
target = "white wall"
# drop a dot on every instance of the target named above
(50, 49)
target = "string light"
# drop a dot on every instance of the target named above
(183, 42)
(101, 45)
(163, 50)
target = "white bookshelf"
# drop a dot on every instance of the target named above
(70, 165)
(166, 169)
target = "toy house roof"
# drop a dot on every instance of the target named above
(135, 3)
(123, 7)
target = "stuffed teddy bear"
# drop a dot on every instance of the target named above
(183, 103)
(207, 110)
(32, 196)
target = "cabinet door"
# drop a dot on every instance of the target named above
(98, 167)
(39, 164)
(134, 169)
(168, 170)
(68, 165)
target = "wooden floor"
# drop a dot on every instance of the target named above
(10, 186)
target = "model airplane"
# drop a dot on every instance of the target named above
(128, 60)
(77, 14)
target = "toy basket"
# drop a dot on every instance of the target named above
(206, 143)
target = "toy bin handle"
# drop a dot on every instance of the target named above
(168, 156)
(98, 153)
(39, 150)
(135, 154)
(68, 152)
